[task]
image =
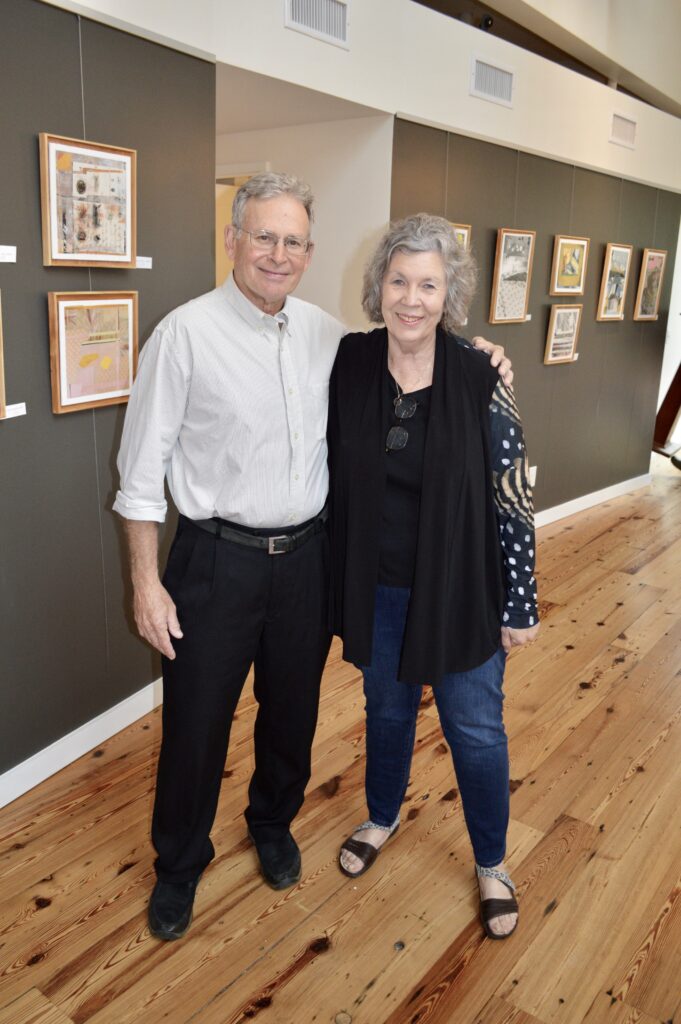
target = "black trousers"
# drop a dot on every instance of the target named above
(237, 606)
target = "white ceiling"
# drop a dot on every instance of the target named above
(247, 102)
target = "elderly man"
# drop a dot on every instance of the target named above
(230, 404)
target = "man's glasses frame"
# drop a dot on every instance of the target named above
(267, 241)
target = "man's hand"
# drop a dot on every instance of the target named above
(496, 358)
(517, 637)
(155, 612)
(156, 617)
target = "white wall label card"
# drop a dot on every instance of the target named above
(8, 253)
(15, 410)
(144, 262)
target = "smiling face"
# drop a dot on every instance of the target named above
(413, 298)
(266, 278)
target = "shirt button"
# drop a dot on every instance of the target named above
(290, 391)
(295, 437)
(295, 477)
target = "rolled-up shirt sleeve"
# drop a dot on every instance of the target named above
(152, 424)
(514, 508)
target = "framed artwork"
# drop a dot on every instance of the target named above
(512, 275)
(561, 340)
(570, 254)
(89, 210)
(650, 284)
(614, 282)
(462, 233)
(93, 348)
(3, 401)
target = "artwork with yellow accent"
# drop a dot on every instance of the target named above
(462, 233)
(570, 255)
(93, 348)
(88, 193)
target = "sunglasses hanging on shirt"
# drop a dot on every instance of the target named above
(405, 407)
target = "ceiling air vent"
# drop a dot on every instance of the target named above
(491, 82)
(623, 131)
(328, 20)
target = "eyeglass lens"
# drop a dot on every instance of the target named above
(405, 407)
(267, 240)
(397, 439)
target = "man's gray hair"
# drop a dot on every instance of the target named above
(268, 185)
(423, 233)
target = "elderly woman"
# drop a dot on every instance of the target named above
(432, 542)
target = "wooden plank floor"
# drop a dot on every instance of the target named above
(594, 720)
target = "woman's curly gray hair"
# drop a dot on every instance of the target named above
(423, 233)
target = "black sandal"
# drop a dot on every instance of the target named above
(365, 851)
(496, 907)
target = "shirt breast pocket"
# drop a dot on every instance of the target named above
(316, 406)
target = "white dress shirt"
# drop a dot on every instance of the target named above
(231, 405)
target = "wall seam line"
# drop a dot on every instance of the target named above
(107, 650)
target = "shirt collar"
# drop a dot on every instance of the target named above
(250, 313)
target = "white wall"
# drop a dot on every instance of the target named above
(409, 60)
(348, 164)
(641, 36)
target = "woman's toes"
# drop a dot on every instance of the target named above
(503, 925)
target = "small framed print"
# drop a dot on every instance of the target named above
(89, 211)
(650, 284)
(568, 272)
(93, 348)
(561, 340)
(512, 275)
(462, 233)
(614, 281)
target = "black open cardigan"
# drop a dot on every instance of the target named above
(454, 619)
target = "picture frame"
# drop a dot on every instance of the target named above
(512, 276)
(563, 333)
(462, 233)
(568, 271)
(93, 348)
(616, 267)
(88, 203)
(3, 397)
(650, 284)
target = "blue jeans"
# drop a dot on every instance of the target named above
(470, 708)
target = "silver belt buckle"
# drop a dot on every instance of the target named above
(271, 541)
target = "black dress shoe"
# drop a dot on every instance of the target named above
(170, 909)
(279, 860)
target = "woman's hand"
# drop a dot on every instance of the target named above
(497, 358)
(511, 638)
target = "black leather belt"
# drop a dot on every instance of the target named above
(281, 544)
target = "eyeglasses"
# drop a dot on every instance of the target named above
(405, 407)
(267, 241)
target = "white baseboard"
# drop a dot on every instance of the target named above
(551, 515)
(17, 781)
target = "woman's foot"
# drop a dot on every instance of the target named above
(499, 924)
(357, 853)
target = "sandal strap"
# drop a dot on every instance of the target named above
(495, 873)
(383, 828)
(489, 909)
(363, 851)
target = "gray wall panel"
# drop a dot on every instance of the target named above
(589, 423)
(68, 649)
(423, 186)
